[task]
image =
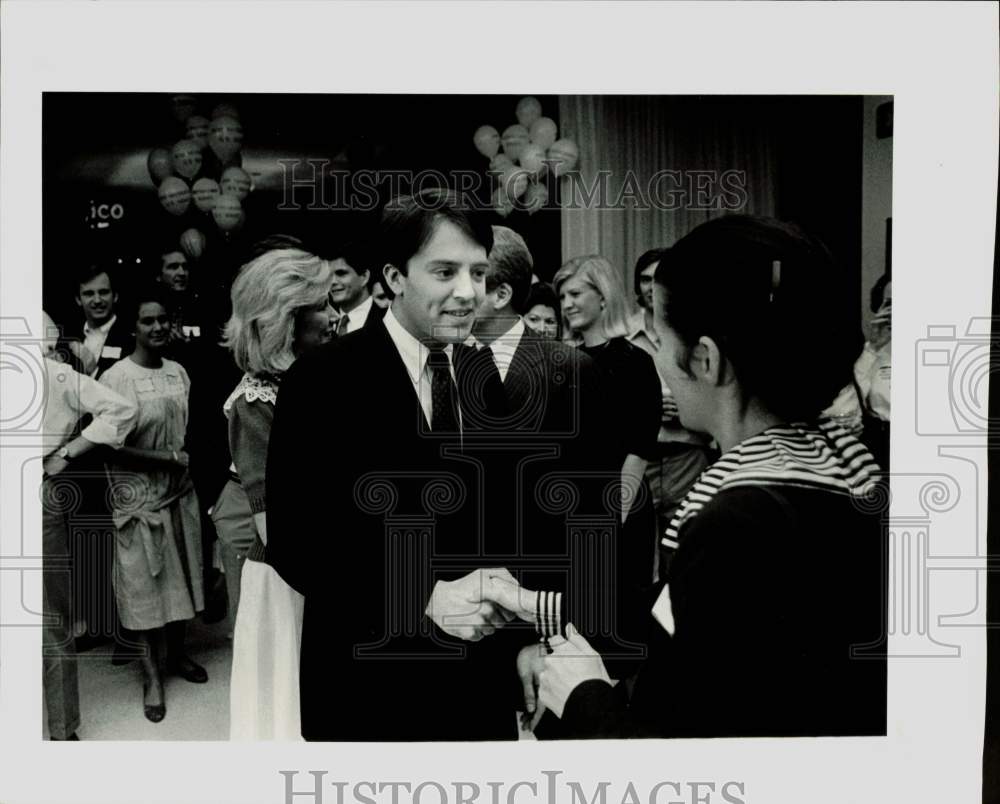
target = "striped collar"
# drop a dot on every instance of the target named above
(809, 456)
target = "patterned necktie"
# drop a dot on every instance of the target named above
(342, 325)
(444, 394)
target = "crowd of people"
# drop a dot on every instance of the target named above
(436, 492)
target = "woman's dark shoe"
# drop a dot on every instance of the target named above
(188, 670)
(154, 713)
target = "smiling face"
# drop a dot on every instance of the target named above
(542, 319)
(314, 326)
(444, 283)
(581, 304)
(174, 272)
(97, 300)
(349, 287)
(152, 326)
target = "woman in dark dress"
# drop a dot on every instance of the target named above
(771, 615)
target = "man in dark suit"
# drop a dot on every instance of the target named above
(548, 475)
(351, 290)
(381, 532)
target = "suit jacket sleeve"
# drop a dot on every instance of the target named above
(299, 492)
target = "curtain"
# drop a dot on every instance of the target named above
(622, 203)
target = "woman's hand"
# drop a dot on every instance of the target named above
(571, 663)
(670, 410)
(181, 458)
(530, 664)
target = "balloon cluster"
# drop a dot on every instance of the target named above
(205, 167)
(522, 155)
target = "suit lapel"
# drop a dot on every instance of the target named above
(398, 385)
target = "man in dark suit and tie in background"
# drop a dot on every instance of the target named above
(351, 289)
(380, 530)
(548, 474)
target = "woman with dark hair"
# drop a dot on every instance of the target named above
(769, 621)
(281, 309)
(542, 311)
(158, 557)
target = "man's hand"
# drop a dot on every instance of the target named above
(53, 465)
(461, 609)
(530, 664)
(571, 663)
(507, 593)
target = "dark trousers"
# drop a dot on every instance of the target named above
(59, 670)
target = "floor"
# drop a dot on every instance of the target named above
(111, 697)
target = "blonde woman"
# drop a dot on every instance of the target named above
(592, 300)
(280, 310)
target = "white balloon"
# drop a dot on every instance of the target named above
(533, 159)
(563, 156)
(514, 182)
(226, 110)
(228, 213)
(197, 129)
(535, 197)
(514, 139)
(500, 162)
(487, 141)
(543, 131)
(205, 193)
(175, 195)
(225, 137)
(501, 203)
(528, 111)
(235, 181)
(193, 242)
(186, 156)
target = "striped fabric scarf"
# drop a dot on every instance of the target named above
(808, 456)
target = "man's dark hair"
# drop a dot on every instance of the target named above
(90, 272)
(641, 264)
(878, 292)
(410, 221)
(510, 263)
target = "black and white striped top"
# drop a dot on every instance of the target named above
(823, 456)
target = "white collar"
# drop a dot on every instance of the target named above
(103, 329)
(357, 316)
(503, 347)
(636, 324)
(413, 352)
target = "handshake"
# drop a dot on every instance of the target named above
(477, 604)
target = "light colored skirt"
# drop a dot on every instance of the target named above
(264, 687)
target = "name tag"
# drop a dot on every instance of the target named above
(191, 332)
(112, 352)
(663, 612)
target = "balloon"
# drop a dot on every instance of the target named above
(235, 181)
(514, 138)
(514, 181)
(228, 212)
(487, 141)
(193, 243)
(187, 158)
(184, 106)
(175, 195)
(528, 111)
(535, 197)
(563, 156)
(225, 110)
(205, 193)
(533, 159)
(225, 138)
(500, 162)
(501, 203)
(160, 165)
(197, 130)
(543, 131)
